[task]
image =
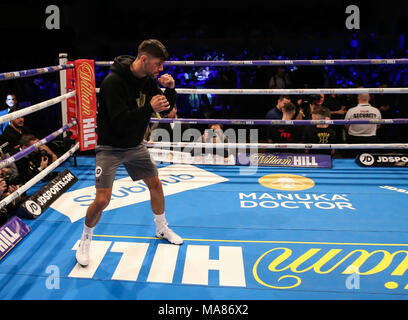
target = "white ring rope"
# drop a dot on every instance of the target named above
(289, 91)
(292, 91)
(198, 145)
(36, 107)
(306, 62)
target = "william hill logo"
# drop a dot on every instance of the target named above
(290, 160)
(86, 99)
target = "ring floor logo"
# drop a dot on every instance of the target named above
(288, 182)
(337, 268)
(292, 200)
(175, 179)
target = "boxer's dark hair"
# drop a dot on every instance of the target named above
(322, 111)
(283, 97)
(154, 48)
(289, 107)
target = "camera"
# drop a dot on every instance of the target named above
(43, 153)
(9, 180)
(36, 157)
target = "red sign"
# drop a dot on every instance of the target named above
(86, 103)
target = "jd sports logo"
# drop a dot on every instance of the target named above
(367, 159)
(287, 182)
(175, 179)
(33, 207)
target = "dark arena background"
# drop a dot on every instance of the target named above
(295, 232)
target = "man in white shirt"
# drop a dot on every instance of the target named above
(362, 133)
(11, 101)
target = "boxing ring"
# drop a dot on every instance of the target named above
(250, 232)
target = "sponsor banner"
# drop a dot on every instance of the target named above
(11, 233)
(35, 205)
(86, 103)
(175, 179)
(382, 160)
(71, 102)
(285, 160)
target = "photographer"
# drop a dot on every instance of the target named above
(36, 161)
(6, 188)
(9, 182)
(215, 134)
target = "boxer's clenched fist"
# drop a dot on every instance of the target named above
(167, 81)
(159, 103)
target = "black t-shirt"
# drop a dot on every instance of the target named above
(285, 133)
(333, 103)
(317, 135)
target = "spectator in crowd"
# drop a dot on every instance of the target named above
(11, 101)
(10, 172)
(321, 133)
(348, 100)
(36, 161)
(286, 133)
(362, 133)
(227, 80)
(402, 111)
(8, 211)
(337, 112)
(280, 80)
(14, 132)
(276, 112)
(215, 134)
(315, 101)
(10, 181)
(386, 103)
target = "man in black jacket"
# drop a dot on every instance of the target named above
(128, 97)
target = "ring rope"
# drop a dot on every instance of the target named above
(208, 145)
(33, 72)
(248, 63)
(292, 91)
(277, 122)
(289, 91)
(30, 149)
(38, 177)
(36, 107)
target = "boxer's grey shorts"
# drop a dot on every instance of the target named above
(136, 160)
